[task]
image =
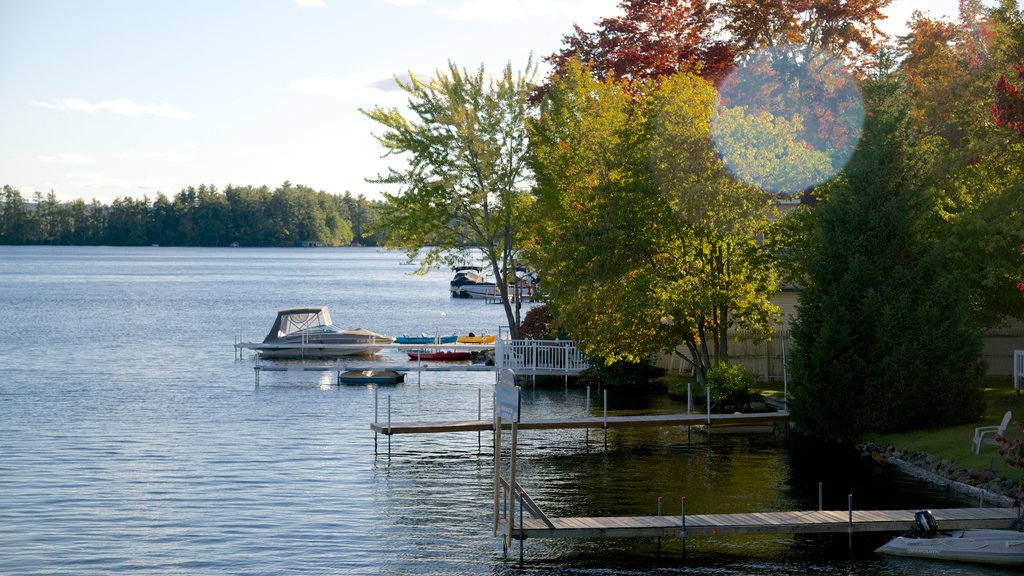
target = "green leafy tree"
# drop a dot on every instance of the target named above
(884, 340)
(646, 242)
(463, 185)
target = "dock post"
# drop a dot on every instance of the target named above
(512, 483)
(849, 530)
(497, 469)
(522, 534)
(821, 505)
(588, 414)
(659, 514)
(376, 417)
(479, 416)
(682, 524)
(389, 426)
(606, 419)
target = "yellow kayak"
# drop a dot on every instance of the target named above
(476, 339)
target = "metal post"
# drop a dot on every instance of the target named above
(659, 514)
(849, 500)
(376, 417)
(389, 426)
(682, 524)
(479, 416)
(497, 469)
(821, 505)
(587, 430)
(522, 535)
(606, 419)
(512, 483)
(785, 372)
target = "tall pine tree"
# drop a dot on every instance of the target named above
(883, 341)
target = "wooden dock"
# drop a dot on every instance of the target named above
(807, 522)
(589, 422)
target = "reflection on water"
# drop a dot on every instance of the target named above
(133, 443)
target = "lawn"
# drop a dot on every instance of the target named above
(954, 443)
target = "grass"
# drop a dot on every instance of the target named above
(953, 443)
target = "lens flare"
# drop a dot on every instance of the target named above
(787, 121)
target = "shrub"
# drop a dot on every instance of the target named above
(729, 384)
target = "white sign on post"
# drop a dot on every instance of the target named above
(506, 396)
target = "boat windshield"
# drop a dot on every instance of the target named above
(298, 319)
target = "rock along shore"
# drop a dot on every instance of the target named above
(984, 484)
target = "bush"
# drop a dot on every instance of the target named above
(729, 384)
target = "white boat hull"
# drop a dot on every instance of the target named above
(1005, 547)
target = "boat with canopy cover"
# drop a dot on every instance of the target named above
(309, 332)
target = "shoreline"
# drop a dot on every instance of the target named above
(987, 486)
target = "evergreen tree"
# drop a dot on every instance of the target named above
(883, 338)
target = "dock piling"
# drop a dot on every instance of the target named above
(606, 419)
(682, 523)
(849, 505)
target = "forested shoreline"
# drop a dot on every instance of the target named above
(287, 215)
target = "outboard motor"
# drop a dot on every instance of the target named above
(925, 524)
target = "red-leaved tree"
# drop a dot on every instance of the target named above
(1008, 109)
(653, 38)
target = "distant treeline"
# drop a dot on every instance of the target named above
(204, 216)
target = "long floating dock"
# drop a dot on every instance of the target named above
(410, 367)
(596, 422)
(808, 522)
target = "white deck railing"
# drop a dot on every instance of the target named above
(1018, 368)
(546, 357)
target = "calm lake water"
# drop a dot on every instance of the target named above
(132, 441)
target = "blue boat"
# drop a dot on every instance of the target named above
(424, 339)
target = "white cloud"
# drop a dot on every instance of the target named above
(353, 85)
(157, 156)
(311, 3)
(67, 159)
(122, 106)
(93, 180)
(584, 12)
(405, 2)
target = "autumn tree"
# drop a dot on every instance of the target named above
(462, 185)
(652, 38)
(1008, 108)
(641, 231)
(950, 69)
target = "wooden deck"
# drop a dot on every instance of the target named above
(596, 422)
(810, 522)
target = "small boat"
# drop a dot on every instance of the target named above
(474, 339)
(470, 282)
(425, 339)
(308, 332)
(441, 355)
(1005, 547)
(370, 377)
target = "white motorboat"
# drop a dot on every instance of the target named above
(470, 282)
(986, 546)
(308, 332)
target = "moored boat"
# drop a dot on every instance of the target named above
(474, 339)
(308, 332)
(370, 377)
(470, 282)
(984, 546)
(439, 355)
(425, 339)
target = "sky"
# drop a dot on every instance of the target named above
(102, 99)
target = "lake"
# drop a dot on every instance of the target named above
(133, 442)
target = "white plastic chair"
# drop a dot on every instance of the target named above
(982, 431)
